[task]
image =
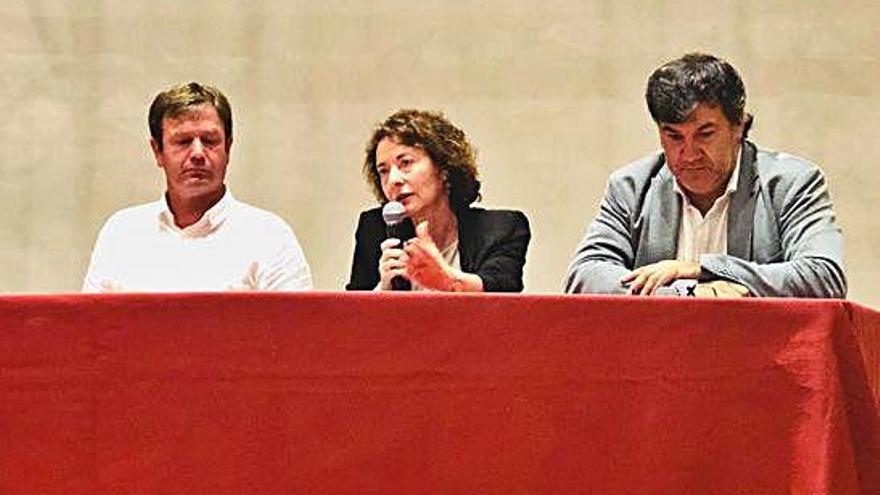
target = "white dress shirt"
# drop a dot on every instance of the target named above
(698, 234)
(234, 246)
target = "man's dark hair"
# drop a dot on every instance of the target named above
(677, 87)
(445, 143)
(184, 98)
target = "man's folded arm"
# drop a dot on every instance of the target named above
(811, 264)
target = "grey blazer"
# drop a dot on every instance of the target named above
(782, 239)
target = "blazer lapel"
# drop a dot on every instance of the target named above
(661, 215)
(741, 212)
(466, 247)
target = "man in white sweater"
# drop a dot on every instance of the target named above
(197, 237)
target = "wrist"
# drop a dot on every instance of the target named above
(455, 282)
(692, 270)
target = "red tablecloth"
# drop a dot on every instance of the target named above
(407, 393)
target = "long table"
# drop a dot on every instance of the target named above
(333, 393)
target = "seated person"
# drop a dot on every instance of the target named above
(197, 237)
(426, 163)
(712, 207)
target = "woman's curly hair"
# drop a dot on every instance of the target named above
(445, 143)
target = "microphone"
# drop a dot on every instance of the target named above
(398, 227)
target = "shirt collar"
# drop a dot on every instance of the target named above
(209, 222)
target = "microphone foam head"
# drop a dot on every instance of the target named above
(393, 213)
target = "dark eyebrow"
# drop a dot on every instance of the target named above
(668, 128)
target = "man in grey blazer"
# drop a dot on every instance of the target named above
(712, 214)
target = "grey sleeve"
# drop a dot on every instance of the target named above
(606, 252)
(811, 262)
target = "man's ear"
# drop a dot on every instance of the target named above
(739, 130)
(154, 145)
(228, 144)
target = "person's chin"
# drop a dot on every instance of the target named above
(694, 172)
(200, 188)
(409, 203)
(196, 179)
(692, 184)
(694, 180)
(412, 210)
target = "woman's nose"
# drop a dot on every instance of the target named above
(395, 176)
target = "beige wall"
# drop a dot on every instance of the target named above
(550, 92)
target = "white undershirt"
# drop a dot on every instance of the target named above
(698, 235)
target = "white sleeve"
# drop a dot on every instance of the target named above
(97, 279)
(287, 268)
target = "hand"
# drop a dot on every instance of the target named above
(721, 288)
(645, 280)
(392, 263)
(426, 265)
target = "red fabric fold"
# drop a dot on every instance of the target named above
(435, 393)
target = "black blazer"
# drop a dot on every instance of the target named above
(491, 244)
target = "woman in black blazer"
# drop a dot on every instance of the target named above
(426, 163)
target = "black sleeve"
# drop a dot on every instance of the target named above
(365, 263)
(501, 268)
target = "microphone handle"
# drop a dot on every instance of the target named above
(404, 231)
(400, 283)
